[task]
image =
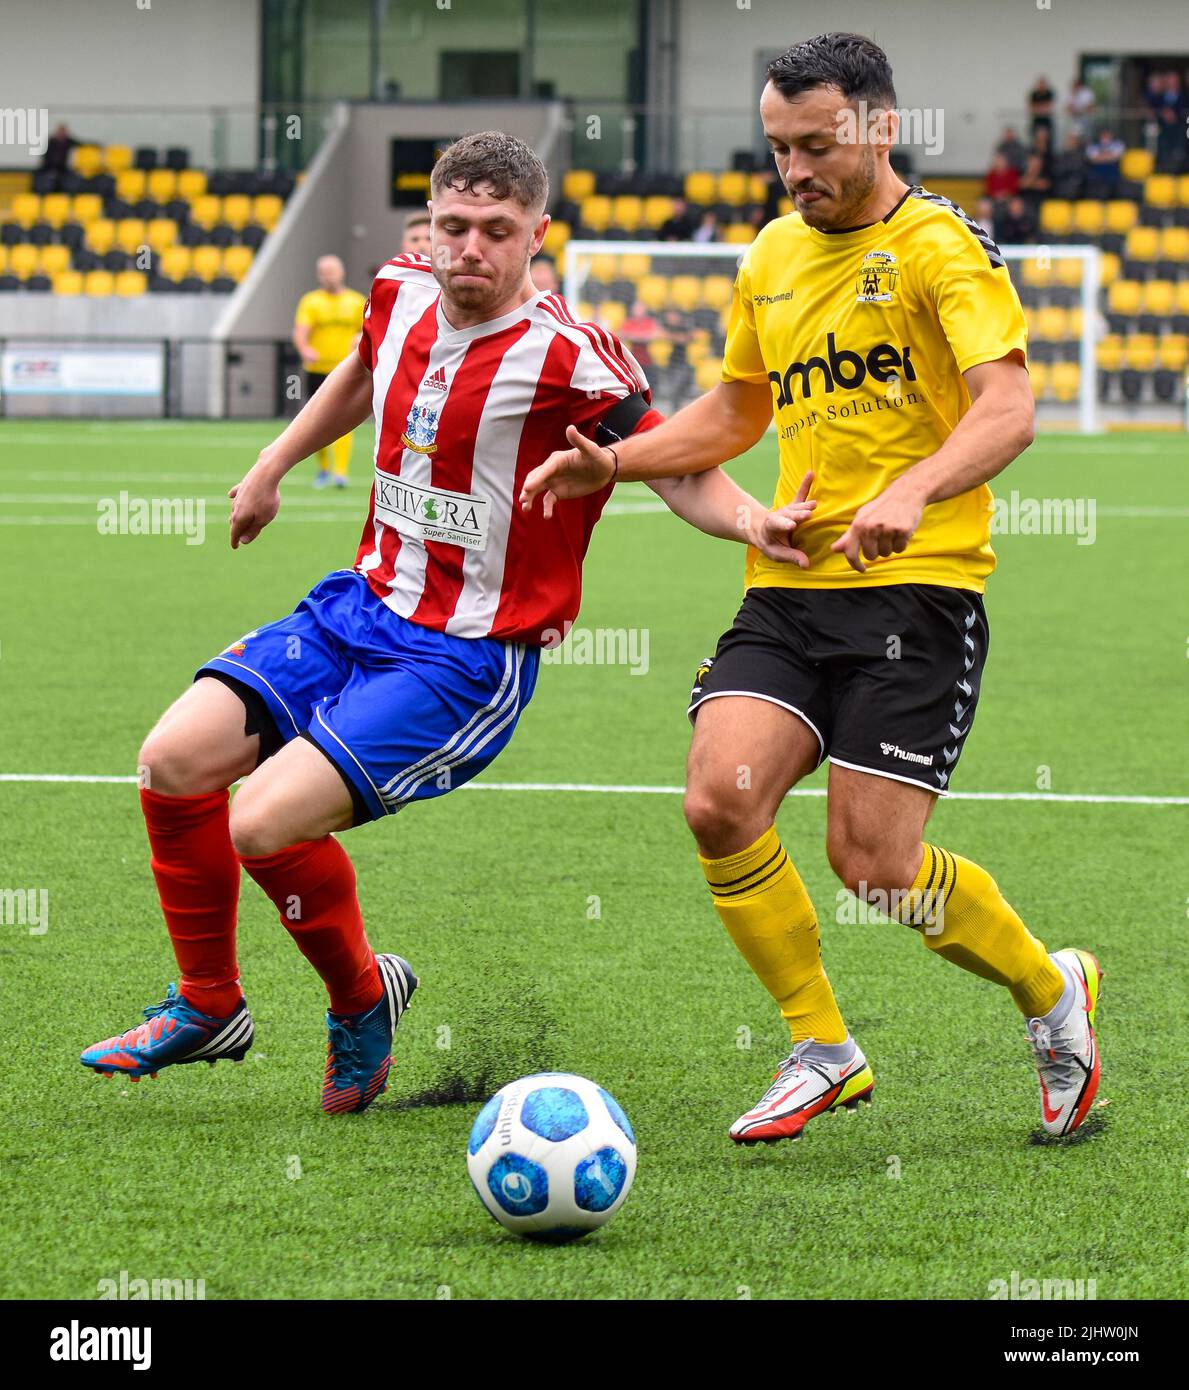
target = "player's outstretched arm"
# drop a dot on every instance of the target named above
(342, 402)
(714, 429)
(716, 504)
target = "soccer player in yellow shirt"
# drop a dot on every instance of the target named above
(326, 329)
(878, 327)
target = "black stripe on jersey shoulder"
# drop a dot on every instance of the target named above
(980, 234)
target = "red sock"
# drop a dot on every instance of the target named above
(197, 875)
(312, 885)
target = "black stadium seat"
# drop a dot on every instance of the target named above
(145, 157)
(177, 158)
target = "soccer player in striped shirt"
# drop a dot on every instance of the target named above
(879, 328)
(402, 676)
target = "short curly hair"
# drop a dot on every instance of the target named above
(509, 167)
(853, 63)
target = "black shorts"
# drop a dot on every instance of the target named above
(887, 677)
(313, 381)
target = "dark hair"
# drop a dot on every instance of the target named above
(506, 165)
(856, 65)
(418, 219)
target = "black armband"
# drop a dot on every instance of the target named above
(621, 420)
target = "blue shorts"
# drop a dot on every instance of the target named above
(403, 712)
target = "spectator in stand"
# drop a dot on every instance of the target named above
(707, 229)
(542, 272)
(1104, 157)
(1035, 184)
(679, 225)
(1013, 148)
(984, 215)
(1079, 107)
(57, 150)
(1170, 126)
(1041, 100)
(1069, 169)
(1043, 147)
(637, 331)
(1002, 180)
(1016, 224)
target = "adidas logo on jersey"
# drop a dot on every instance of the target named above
(437, 381)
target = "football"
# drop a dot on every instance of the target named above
(552, 1156)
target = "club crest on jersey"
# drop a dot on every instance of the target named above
(877, 278)
(421, 429)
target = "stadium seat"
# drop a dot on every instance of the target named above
(634, 266)
(738, 234)
(55, 208)
(716, 291)
(657, 210)
(161, 232)
(131, 283)
(1108, 268)
(596, 212)
(1068, 272)
(237, 261)
(267, 209)
(700, 188)
(1136, 165)
(101, 234)
(685, 292)
(23, 260)
(237, 210)
(786, 206)
(556, 236)
(757, 188)
(653, 292)
(1108, 352)
(87, 160)
(52, 260)
(1089, 217)
(86, 207)
(130, 185)
(1052, 324)
(1139, 352)
(603, 269)
(661, 351)
(1158, 298)
(174, 262)
(205, 211)
(626, 212)
(68, 282)
(191, 184)
(1037, 271)
(130, 235)
(206, 262)
(1056, 218)
(708, 373)
(26, 208)
(99, 283)
(1142, 244)
(1066, 381)
(1121, 215)
(162, 185)
(732, 188)
(612, 313)
(1123, 297)
(1038, 378)
(1183, 190)
(117, 158)
(177, 157)
(1172, 352)
(578, 185)
(1160, 191)
(1174, 251)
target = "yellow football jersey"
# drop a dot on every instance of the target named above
(864, 336)
(333, 321)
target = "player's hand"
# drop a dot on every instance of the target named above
(254, 502)
(882, 527)
(773, 536)
(573, 472)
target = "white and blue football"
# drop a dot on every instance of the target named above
(552, 1156)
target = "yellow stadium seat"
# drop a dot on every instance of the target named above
(661, 351)
(68, 282)
(23, 260)
(237, 210)
(596, 212)
(55, 208)
(1121, 215)
(26, 208)
(117, 158)
(1174, 244)
(191, 184)
(584, 311)
(786, 206)
(130, 185)
(1074, 323)
(1038, 377)
(1183, 296)
(130, 234)
(86, 207)
(207, 261)
(237, 261)
(716, 291)
(732, 188)
(738, 234)
(612, 314)
(3, 260)
(556, 236)
(1052, 325)
(757, 188)
(626, 212)
(162, 185)
(101, 235)
(1108, 267)
(1037, 271)
(205, 211)
(685, 292)
(1172, 352)
(1029, 321)
(724, 318)
(700, 187)
(1056, 217)
(1159, 298)
(1139, 352)
(1089, 217)
(1136, 165)
(1109, 352)
(1183, 190)
(1066, 381)
(1069, 272)
(161, 233)
(653, 292)
(99, 283)
(53, 260)
(175, 262)
(130, 283)
(87, 161)
(634, 266)
(1142, 244)
(708, 373)
(603, 269)
(267, 209)
(1123, 297)
(578, 185)
(1160, 191)
(657, 209)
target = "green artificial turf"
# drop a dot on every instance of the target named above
(231, 1175)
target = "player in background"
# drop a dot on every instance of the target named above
(415, 240)
(402, 676)
(325, 331)
(880, 330)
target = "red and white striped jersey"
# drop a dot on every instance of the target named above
(462, 415)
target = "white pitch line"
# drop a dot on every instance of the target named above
(640, 789)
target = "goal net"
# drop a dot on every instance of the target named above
(669, 303)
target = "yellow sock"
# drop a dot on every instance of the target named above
(323, 460)
(342, 455)
(963, 917)
(767, 912)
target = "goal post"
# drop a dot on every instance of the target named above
(669, 302)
